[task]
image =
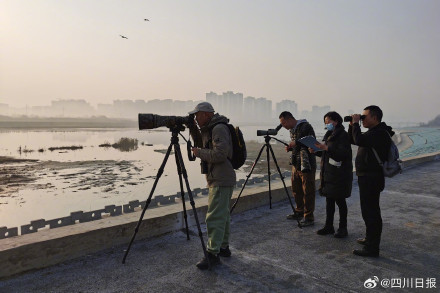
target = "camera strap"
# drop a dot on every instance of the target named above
(191, 157)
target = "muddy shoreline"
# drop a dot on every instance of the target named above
(17, 173)
(108, 175)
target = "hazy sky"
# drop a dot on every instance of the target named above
(347, 54)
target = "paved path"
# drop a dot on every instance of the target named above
(270, 254)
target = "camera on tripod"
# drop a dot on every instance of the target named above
(175, 125)
(269, 131)
(151, 121)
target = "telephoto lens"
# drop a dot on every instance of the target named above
(152, 121)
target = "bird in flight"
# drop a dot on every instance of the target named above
(146, 19)
(124, 37)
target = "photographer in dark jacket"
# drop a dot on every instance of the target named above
(371, 179)
(336, 173)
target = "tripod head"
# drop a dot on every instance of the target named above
(267, 138)
(176, 128)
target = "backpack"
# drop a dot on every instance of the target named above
(239, 153)
(393, 165)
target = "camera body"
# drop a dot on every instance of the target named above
(151, 121)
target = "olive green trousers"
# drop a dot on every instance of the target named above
(218, 218)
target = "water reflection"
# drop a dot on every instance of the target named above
(91, 177)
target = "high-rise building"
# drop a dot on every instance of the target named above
(249, 109)
(72, 108)
(233, 105)
(287, 105)
(263, 110)
(318, 112)
(214, 100)
(229, 104)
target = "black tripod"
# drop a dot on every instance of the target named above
(268, 147)
(181, 171)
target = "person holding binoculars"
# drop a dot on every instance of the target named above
(370, 174)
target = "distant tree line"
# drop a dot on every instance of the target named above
(433, 122)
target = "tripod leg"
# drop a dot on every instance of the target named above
(284, 183)
(178, 153)
(247, 178)
(182, 193)
(268, 173)
(159, 173)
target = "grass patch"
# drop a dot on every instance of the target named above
(124, 144)
(24, 150)
(72, 148)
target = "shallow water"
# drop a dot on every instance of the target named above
(425, 140)
(57, 192)
(131, 178)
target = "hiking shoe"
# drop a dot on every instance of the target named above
(224, 252)
(295, 216)
(341, 233)
(306, 222)
(326, 230)
(203, 264)
(366, 252)
(362, 241)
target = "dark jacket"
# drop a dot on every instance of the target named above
(336, 165)
(301, 158)
(377, 137)
(216, 148)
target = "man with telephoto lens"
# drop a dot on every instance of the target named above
(371, 179)
(213, 145)
(303, 169)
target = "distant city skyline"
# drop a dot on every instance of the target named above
(346, 54)
(230, 104)
(238, 109)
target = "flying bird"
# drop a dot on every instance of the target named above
(124, 37)
(146, 19)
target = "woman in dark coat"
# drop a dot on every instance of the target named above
(336, 173)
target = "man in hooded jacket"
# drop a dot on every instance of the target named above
(213, 145)
(371, 179)
(303, 169)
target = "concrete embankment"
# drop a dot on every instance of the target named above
(402, 141)
(269, 252)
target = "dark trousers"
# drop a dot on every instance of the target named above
(330, 209)
(369, 190)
